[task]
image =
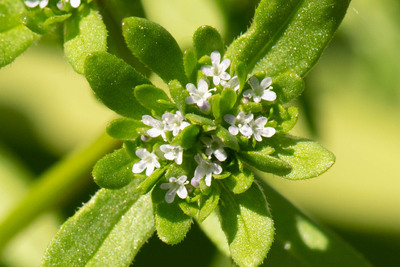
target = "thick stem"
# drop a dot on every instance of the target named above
(53, 185)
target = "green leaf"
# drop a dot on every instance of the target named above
(114, 170)
(199, 120)
(153, 98)
(125, 128)
(190, 64)
(155, 47)
(299, 241)
(206, 40)
(227, 101)
(262, 160)
(85, 33)
(252, 107)
(290, 121)
(171, 223)
(228, 139)
(113, 81)
(240, 179)
(10, 14)
(307, 158)
(248, 225)
(187, 137)
(189, 208)
(209, 202)
(288, 35)
(178, 94)
(109, 230)
(215, 106)
(288, 86)
(151, 180)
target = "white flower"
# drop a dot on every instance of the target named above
(217, 70)
(172, 152)
(257, 126)
(35, 3)
(176, 187)
(148, 161)
(72, 3)
(174, 122)
(240, 123)
(232, 83)
(205, 168)
(199, 95)
(158, 127)
(260, 91)
(214, 146)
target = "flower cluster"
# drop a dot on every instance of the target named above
(210, 152)
(61, 5)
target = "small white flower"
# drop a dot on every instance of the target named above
(215, 146)
(35, 3)
(217, 70)
(205, 168)
(240, 123)
(174, 122)
(72, 3)
(176, 187)
(199, 95)
(148, 161)
(260, 91)
(158, 127)
(257, 126)
(232, 83)
(172, 152)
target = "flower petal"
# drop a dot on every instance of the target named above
(182, 192)
(269, 95)
(266, 82)
(215, 58)
(139, 166)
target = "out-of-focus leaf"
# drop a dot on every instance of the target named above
(206, 40)
(155, 47)
(209, 202)
(153, 98)
(85, 33)
(125, 128)
(113, 81)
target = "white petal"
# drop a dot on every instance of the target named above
(268, 132)
(165, 185)
(153, 132)
(215, 58)
(208, 179)
(233, 130)
(269, 95)
(216, 168)
(138, 167)
(248, 93)
(195, 182)
(75, 3)
(225, 64)
(182, 192)
(43, 3)
(257, 136)
(216, 80)
(150, 169)
(256, 98)
(261, 121)
(190, 100)
(141, 153)
(225, 76)
(31, 3)
(182, 179)
(207, 70)
(230, 119)
(254, 82)
(220, 154)
(246, 131)
(170, 196)
(266, 82)
(179, 158)
(202, 85)
(191, 88)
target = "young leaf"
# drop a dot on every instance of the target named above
(288, 86)
(248, 225)
(110, 228)
(114, 170)
(226, 137)
(151, 180)
(215, 106)
(155, 47)
(85, 33)
(240, 179)
(125, 128)
(307, 158)
(178, 94)
(227, 101)
(190, 64)
(304, 241)
(171, 223)
(209, 202)
(289, 35)
(187, 137)
(153, 98)
(113, 81)
(206, 40)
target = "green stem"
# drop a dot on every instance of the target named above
(53, 185)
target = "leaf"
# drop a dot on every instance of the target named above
(299, 241)
(85, 33)
(288, 86)
(209, 202)
(111, 228)
(215, 106)
(155, 47)
(10, 14)
(290, 121)
(248, 225)
(190, 64)
(288, 35)
(228, 100)
(113, 81)
(114, 170)
(240, 179)
(307, 158)
(206, 40)
(171, 223)
(199, 120)
(153, 98)
(187, 137)
(178, 94)
(262, 160)
(151, 180)
(226, 137)
(125, 128)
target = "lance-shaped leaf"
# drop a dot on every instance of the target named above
(153, 98)
(228, 139)
(155, 47)
(288, 35)
(248, 225)
(307, 158)
(15, 37)
(209, 202)
(288, 86)
(109, 229)
(85, 33)
(125, 128)
(206, 40)
(114, 170)
(299, 241)
(113, 80)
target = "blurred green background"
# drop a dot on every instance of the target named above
(353, 94)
